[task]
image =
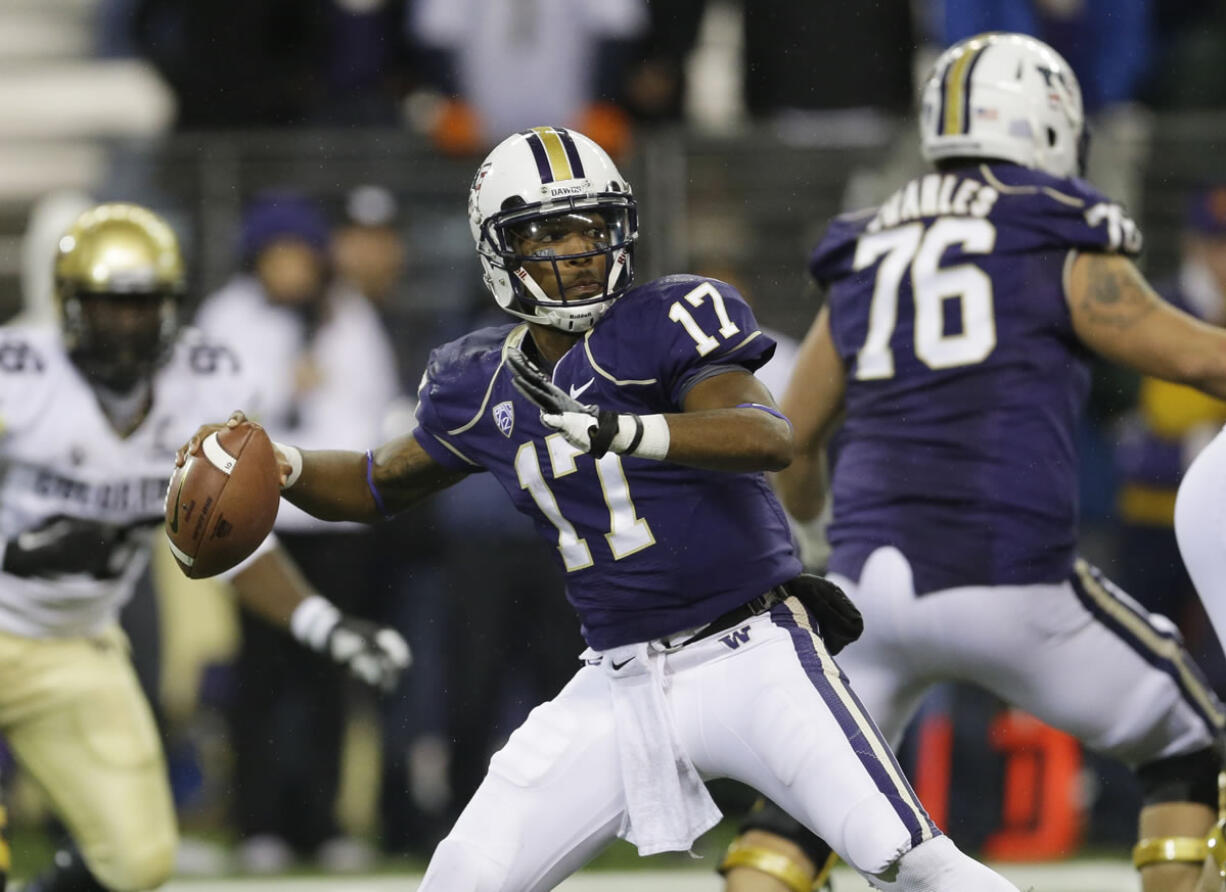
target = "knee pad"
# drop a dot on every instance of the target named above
(460, 866)
(1191, 777)
(873, 836)
(141, 867)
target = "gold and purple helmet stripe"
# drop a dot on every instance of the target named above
(955, 113)
(555, 152)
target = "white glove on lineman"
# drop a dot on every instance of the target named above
(376, 655)
(594, 430)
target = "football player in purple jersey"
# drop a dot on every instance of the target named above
(626, 422)
(954, 342)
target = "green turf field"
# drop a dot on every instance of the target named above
(1074, 876)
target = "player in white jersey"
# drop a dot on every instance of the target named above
(90, 417)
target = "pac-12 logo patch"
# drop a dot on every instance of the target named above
(504, 417)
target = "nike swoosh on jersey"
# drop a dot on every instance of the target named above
(576, 392)
(617, 666)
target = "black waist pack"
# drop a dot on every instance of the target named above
(838, 620)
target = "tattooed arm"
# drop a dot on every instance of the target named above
(1119, 316)
(333, 485)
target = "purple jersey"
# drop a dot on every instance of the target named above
(649, 547)
(965, 379)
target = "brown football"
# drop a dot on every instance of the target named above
(222, 503)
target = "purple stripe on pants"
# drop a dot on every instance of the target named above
(902, 798)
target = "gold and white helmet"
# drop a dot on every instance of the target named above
(1006, 96)
(118, 279)
(530, 178)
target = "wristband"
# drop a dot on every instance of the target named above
(313, 621)
(370, 482)
(767, 409)
(293, 455)
(643, 436)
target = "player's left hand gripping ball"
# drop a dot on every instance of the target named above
(594, 430)
(223, 497)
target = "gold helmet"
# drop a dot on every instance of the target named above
(118, 281)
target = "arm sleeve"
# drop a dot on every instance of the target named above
(832, 258)
(431, 433)
(707, 325)
(1096, 224)
(23, 376)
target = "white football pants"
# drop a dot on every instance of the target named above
(1200, 528)
(1080, 655)
(763, 703)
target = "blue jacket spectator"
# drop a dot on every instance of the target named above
(1107, 42)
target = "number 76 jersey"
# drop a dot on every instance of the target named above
(649, 547)
(965, 379)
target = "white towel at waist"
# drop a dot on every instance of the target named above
(667, 804)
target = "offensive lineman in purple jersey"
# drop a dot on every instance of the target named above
(959, 320)
(709, 651)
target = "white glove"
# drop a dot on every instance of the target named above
(594, 430)
(376, 655)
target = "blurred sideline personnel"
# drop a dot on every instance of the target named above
(327, 375)
(1170, 426)
(704, 657)
(367, 248)
(91, 415)
(956, 336)
(480, 53)
(369, 251)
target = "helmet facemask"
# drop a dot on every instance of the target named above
(119, 339)
(567, 260)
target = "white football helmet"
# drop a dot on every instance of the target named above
(529, 178)
(1004, 96)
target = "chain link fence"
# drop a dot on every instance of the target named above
(748, 207)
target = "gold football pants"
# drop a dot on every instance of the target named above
(78, 723)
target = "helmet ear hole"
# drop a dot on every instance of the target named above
(1051, 137)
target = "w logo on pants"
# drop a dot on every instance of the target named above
(735, 639)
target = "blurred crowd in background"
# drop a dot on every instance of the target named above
(314, 155)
